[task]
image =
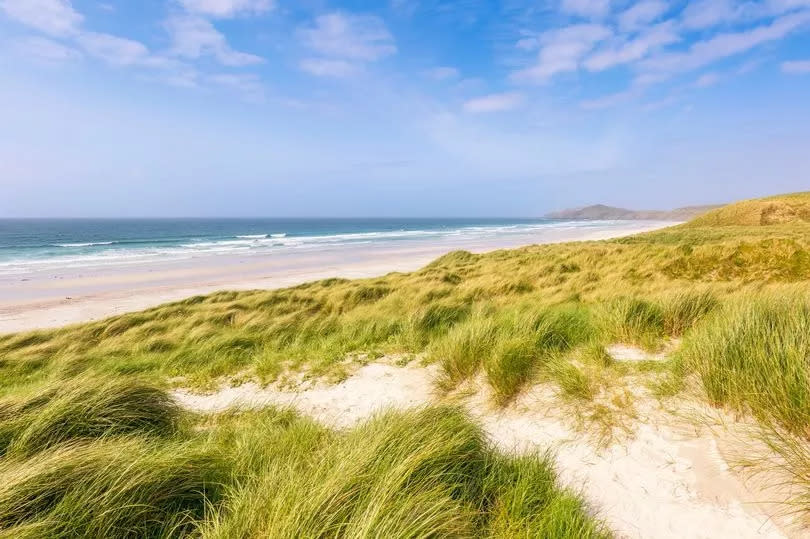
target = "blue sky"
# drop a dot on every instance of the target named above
(405, 107)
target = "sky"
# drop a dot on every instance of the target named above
(398, 107)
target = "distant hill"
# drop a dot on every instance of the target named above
(774, 210)
(600, 211)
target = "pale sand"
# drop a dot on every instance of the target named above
(664, 482)
(53, 298)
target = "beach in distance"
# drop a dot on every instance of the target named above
(55, 272)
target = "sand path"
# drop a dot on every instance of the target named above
(663, 482)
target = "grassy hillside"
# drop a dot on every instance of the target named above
(600, 211)
(84, 402)
(775, 210)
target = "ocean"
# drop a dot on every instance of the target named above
(30, 244)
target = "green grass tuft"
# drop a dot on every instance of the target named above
(753, 356)
(84, 408)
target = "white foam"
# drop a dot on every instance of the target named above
(88, 244)
(263, 244)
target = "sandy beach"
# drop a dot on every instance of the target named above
(56, 297)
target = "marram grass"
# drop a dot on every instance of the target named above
(91, 445)
(271, 473)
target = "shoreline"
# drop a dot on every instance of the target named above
(51, 299)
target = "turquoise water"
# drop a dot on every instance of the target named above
(26, 244)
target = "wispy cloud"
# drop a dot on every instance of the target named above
(54, 17)
(329, 67)
(248, 85)
(634, 49)
(495, 102)
(586, 8)
(354, 37)
(796, 67)
(46, 49)
(706, 80)
(114, 50)
(703, 53)
(611, 100)
(702, 14)
(194, 37)
(227, 8)
(346, 42)
(562, 51)
(641, 14)
(443, 73)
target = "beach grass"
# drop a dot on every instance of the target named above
(729, 293)
(641, 289)
(271, 473)
(514, 315)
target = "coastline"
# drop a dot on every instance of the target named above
(49, 299)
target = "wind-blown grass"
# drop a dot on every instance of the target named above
(83, 408)
(427, 473)
(108, 488)
(90, 444)
(634, 282)
(424, 473)
(753, 356)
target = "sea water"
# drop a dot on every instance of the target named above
(30, 244)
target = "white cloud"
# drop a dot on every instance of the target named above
(648, 79)
(796, 67)
(528, 43)
(405, 8)
(119, 51)
(610, 100)
(494, 102)
(112, 49)
(708, 13)
(775, 7)
(353, 37)
(54, 17)
(721, 46)
(586, 8)
(641, 14)
(47, 49)
(562, 50)
(227, 8)
(247, 84)
(705, 14)
(329, 67)
(194, 37)
(185, 77)
(443, 73)
(707, 79)
(633, 50)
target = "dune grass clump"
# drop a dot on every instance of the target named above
(461, 351)
(511, 346)
(511, 366)
(84, 408)
(424, 473)
(124, 487)
(528, 503)
(532, 342)
(111, 459)
(683, 310)
(753, 356)
(634, 320)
